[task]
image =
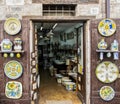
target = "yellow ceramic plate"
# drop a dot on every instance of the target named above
(107, 27)
(107, 93)
(13, 69)
(12, 26)
(107, 72)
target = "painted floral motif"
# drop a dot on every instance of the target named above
(13, 90)
(107, 93)
(107, 72)
(107, 27)
(13, 69)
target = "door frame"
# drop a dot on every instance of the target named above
(84, 19)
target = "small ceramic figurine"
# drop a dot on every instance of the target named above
(6, 45)
(102, 44)
(17, 44)
(114, 45)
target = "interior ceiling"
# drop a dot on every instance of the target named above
(60, 27)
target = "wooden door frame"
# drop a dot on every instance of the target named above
(34, 19)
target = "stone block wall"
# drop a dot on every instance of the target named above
(19, 8)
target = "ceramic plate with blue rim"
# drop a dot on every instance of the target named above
(106, 27)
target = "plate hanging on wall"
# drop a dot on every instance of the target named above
(12, 26)
(107, 93)
(106, 27)
(107, 72)
(13, 69)
(13, 89)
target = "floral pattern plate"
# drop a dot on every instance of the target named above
(107, 93)
(12, 26)
(107, 27)
(13, 69)
(107, 72)
(13, 90)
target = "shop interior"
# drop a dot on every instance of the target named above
(60, 59)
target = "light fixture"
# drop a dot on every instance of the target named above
(54, 26)
(41, 36)
(41, 26)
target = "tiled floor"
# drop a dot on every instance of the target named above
(51, 90)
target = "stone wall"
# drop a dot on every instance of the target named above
(19, 8)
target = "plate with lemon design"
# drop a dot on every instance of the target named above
(13, 90)
(106, 27)
(13, 69)
(107, 93)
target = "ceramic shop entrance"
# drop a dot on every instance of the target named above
(46, 28)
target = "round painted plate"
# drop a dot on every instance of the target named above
(13, 90)
(107, 93)
(12, 26)
(107, 72)
(13, 69)
(107, 27)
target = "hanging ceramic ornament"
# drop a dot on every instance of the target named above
(11, 54)
(116, 55)
(101, 55)
(108, 54)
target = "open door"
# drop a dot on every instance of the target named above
(81, 80)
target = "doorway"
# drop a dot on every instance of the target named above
(60, 55)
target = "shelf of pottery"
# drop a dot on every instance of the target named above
(13, 69)
(11, 49)
(106, 71)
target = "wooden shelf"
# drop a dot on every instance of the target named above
(106, 51)
(13, 51)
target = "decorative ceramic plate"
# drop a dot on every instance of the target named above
(107, 72)
(13, 90)
(13, 69)
(12, 26)
(107, 93)
(107, 27)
